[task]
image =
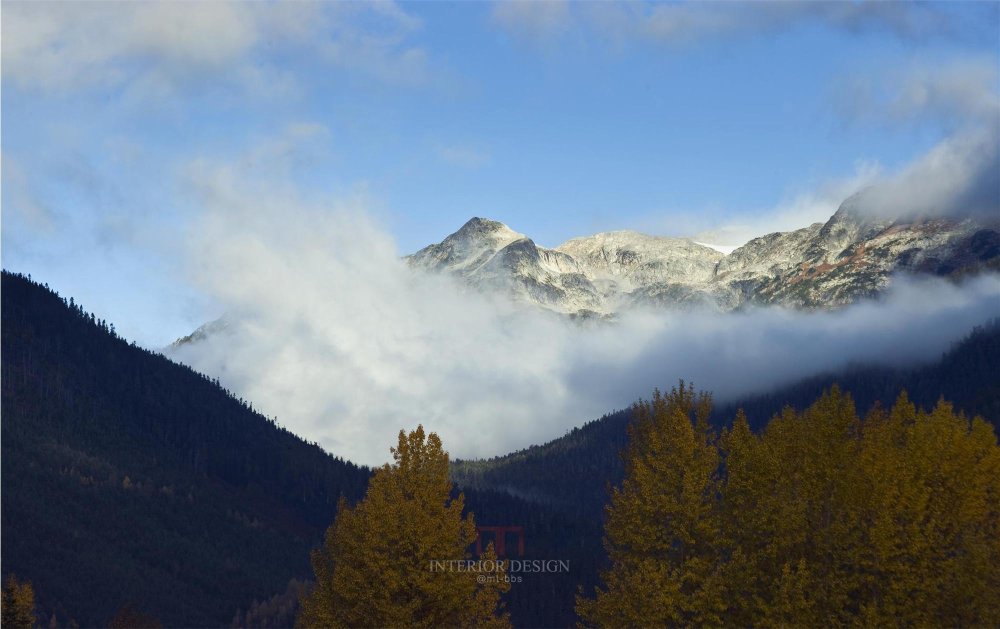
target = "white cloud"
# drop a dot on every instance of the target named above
(956, 92)
(958, 177)
(332, 333)
(158, 45)
(799, 210)
(682, 23)
(965, 90)
(55, 44)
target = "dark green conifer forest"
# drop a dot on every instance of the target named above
(128, 479)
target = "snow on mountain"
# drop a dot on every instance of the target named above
(849, 257)
(593, 275)
(723, 249)
(491, 256)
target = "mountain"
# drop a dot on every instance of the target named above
(850, 257)
(573, 472)
(596, 275)
(128, 479)
(212, 328)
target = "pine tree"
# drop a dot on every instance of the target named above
(934, 529)
(376, 567)
(821, 520)
(18, 605)
(662, 524)
(792, 503)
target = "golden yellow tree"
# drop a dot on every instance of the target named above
(820, 520)
(662, 523)
(382, 563)
(792, 504)
(933, 533)
(17, 609)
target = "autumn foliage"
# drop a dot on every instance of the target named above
(823, 519)
(17, 607)
(374, 569)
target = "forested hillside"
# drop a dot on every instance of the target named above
(823, 518)
(968, 375)
(130, 479)
(132, 482)
(574, 471)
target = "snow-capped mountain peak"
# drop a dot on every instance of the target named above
(465, 251)
(850, 256)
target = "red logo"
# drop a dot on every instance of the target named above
(500, 539)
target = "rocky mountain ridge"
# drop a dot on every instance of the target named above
(850, 257)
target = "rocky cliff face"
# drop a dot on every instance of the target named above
(491, 256)
(850, 257)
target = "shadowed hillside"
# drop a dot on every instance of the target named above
(573, 471)
(144, 480)
(132, 482)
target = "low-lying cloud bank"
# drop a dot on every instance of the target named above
(331, 332)
(958, 177)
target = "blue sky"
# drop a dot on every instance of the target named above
(558, 119)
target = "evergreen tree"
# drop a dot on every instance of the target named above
(821, 520)
(209, 479)
(792, 508)
(18, 605)
(663, 521)
(933, 528)
(375, 568)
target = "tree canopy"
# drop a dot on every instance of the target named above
(375, 568)
(17, 609)
(822, 519)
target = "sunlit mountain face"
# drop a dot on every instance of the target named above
(830, 264)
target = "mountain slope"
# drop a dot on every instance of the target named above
(130, 479)
(490, 255)
(595, 275)
(573, 471)
(850, 257)
(825, 265)
(633, 268)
